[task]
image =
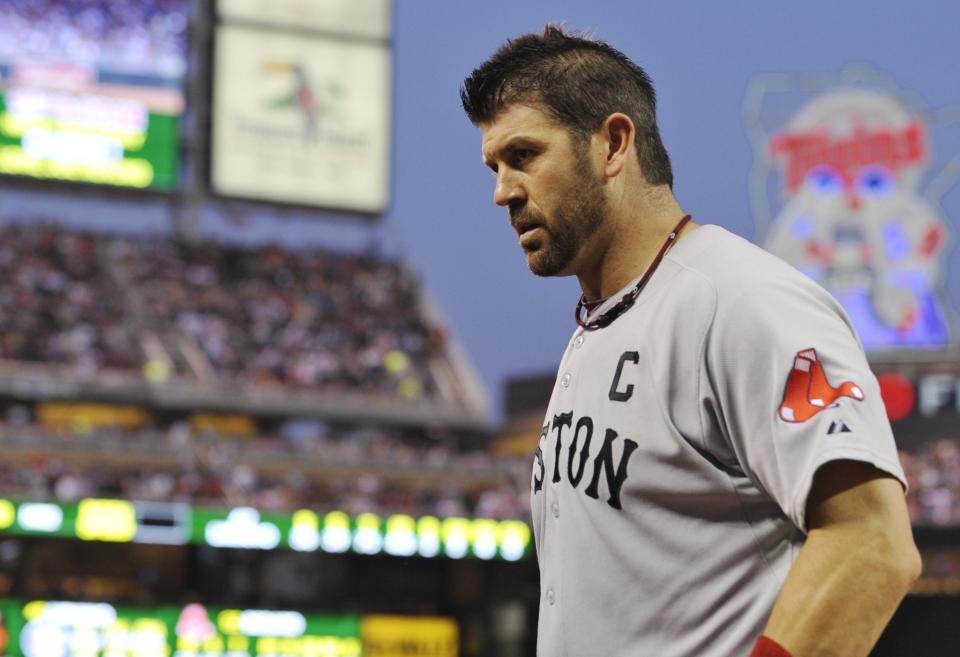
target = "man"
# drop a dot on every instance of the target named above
(716, 470)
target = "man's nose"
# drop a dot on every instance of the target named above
(508, 189)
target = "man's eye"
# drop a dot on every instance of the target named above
(521, 155)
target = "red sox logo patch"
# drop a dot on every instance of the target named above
(808, 392)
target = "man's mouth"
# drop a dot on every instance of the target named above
(529, 236)
(530, 230)
(523, 227)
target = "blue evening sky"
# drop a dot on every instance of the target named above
(701, 56)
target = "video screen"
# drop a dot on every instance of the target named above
(91, 91)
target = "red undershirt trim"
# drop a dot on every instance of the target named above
(767, 647)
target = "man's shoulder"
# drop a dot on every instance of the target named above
(719, 254)
(734, 266)
(751, 286)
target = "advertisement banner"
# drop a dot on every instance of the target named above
(56, 628)
(301, 120)
(81, 416)
(41, 628)
(305, 530)
(404, 636)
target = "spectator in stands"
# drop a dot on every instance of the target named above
(58, 304)
(256, 317)
(398, 472)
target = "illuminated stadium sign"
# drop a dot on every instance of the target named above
(56, 628)
(845, 165)
(300, 119)
(402, 636)
(95, 100)
(305, 530)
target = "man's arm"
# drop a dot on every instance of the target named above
(856, 566)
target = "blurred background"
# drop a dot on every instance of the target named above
(272, 365)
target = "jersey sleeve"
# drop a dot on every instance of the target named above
(790, 388)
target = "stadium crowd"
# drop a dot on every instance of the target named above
(52, 479)
(263, 316)
(149, 35)
(356, 470)
(58, 304)
(272, 316)
(933, 472)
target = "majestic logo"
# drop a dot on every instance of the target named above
(848, 163)
(808, 392)
(837, 426)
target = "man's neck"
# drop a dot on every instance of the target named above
(632, 239)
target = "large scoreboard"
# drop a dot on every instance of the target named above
(92, 92)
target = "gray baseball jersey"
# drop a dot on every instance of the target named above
(670, 481)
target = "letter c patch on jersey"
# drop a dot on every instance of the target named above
(808, 392)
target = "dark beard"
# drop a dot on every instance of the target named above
(582, 210)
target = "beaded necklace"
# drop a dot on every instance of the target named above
(630, 297)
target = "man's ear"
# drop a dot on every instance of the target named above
(618, 133)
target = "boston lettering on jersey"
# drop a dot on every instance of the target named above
(572, 441)
(578, 439)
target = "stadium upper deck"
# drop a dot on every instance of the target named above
(195, 325)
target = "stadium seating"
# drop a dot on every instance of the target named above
(211, 313)
(933, 472)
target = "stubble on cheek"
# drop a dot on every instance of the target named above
(575, 221)
(551, 253)
(581, 209)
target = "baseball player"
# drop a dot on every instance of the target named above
(715, 476)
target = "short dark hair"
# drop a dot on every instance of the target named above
(579, 81)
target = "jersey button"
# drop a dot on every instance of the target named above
(579, 341)
(555, 509)
(551, 598)
(565, 380)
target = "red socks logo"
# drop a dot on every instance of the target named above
(808, 392)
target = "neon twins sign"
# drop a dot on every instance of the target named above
(891, 148)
